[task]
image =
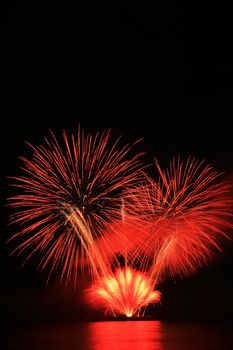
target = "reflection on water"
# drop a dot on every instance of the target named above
(114, 335)
(134, 335)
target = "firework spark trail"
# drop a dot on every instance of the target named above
(124, 292)
(120, 239)
(70, 191)
(99, 263)
(188, 209)
(87, 255)
(84, 204)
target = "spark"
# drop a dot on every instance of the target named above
(187, 210)
(71, 188)
(84, 203)
(124, 292)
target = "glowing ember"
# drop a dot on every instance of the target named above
(125, 292)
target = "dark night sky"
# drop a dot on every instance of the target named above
(141, 70)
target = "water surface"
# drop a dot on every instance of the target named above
(123, 335)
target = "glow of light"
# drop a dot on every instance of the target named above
(125, 292)
(83, 205)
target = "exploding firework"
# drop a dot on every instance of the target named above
(125, 292)
(188, 209)
(70, 191)
(86, 205)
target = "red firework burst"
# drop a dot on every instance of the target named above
(188, 209)
(70, 191)
(125, 292)
(83, 204)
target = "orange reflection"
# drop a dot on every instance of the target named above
(125, 335)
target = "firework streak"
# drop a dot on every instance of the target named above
(86, 206)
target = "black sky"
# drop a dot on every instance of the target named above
(145, 70)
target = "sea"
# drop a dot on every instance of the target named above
(119, 335)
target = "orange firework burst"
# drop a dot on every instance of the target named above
(70, 191)
(125, 292)
(188, 209)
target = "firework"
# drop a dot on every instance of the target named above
(124, 292)
(121, 239)
(70, 190)
(188, 210)
(84, 205)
